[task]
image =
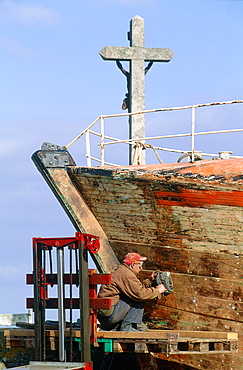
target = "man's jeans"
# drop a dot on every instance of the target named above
(125, 310)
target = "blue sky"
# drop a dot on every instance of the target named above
(54, 83)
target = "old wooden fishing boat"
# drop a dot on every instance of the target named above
(186, 217)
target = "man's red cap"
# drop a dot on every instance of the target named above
(133, 257)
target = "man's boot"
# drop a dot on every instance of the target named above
(142, 327)
(127, 326)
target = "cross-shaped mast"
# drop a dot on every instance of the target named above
(136, 54)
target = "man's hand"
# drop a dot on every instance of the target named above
(153, 275)
(161, 288)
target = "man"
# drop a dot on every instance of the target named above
(128, 295)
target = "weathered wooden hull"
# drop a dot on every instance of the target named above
(187, 219)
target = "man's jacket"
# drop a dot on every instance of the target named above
(125, 282)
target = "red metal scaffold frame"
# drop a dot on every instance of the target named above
(87, 280)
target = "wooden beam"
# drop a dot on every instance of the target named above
(164, 334)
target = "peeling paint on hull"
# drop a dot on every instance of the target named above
(199, 198)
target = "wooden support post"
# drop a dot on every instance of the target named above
(84, 303)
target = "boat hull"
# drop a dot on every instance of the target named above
(187, 219)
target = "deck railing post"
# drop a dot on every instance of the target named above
(102, 140)
(87, 141)
(193, 134)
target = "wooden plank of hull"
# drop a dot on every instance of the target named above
(213, 297)
(184, 314)
(188, 261)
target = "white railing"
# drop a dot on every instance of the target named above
(142, 142)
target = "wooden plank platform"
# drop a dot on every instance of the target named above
(165, 334)
(155, 341)
(169, 342)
